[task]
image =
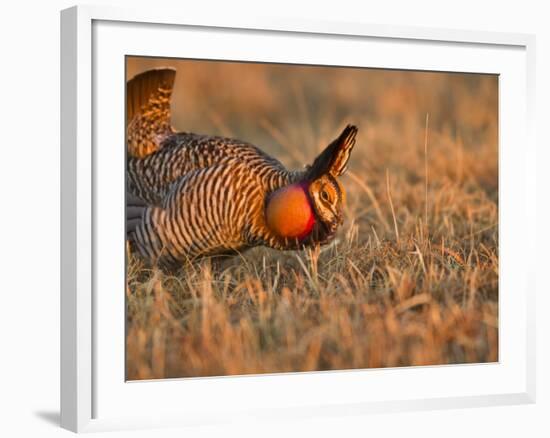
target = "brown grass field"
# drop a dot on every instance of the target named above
(412, 277)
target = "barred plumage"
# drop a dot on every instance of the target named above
(193, 195)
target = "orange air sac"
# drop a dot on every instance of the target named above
(289, 213)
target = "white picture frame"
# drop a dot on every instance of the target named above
(93, 390)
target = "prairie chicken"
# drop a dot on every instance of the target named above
(192, 195)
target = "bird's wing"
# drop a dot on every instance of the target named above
(150, 178)
(202, 214)
(148, 111)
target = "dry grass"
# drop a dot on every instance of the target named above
(412, 278)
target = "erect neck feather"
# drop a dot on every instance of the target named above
(289, 212)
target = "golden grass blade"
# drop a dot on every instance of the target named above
(426, 173)
(371, 196)
(388, 191)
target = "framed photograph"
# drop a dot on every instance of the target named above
(280, 219)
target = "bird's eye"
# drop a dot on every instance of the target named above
(324, 195)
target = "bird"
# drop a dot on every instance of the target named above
(190, 196)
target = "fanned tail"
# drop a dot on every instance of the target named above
(148, 111)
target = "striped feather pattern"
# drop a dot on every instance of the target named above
(206, 197)
(151, 177)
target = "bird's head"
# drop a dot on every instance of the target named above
(312, 209)
(328, 198)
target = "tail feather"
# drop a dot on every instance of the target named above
(148, 110)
